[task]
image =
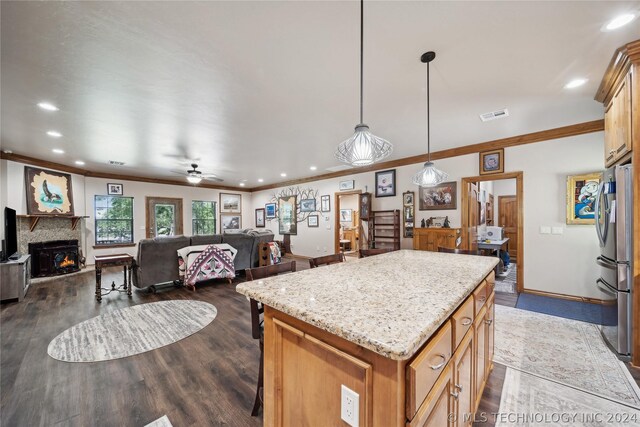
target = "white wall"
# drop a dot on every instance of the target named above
(85, 188)
(553, 263)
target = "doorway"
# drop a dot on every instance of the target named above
(164, 217)
(492, 219)
(348, 226)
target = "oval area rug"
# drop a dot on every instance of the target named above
(132, 330)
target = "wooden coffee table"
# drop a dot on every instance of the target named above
(102, 261)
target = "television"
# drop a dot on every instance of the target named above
(10, 233)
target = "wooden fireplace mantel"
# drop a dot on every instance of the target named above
(33, 219)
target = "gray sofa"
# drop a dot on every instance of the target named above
(157, 260)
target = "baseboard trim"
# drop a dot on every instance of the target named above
(566, 297)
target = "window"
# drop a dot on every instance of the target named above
(204, 217)
(114, 220)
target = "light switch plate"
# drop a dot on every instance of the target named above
(557, 230)
(545, 229)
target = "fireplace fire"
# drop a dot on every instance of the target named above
(54, 258)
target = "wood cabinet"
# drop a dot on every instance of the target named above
(429, 239)
(440, 385)
(617, 123)
(15, 278)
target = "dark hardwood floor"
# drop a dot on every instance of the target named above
(207, 379)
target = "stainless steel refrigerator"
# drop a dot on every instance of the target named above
(613, 209)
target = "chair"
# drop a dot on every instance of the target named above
(498, 268)
(459, 251)
(371, 252)
(326, 260)
(257, 310)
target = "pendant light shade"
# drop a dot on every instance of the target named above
(429, 175)
(363, 148)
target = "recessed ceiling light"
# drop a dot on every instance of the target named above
(242, 184)
(54, 133)
(79, 162)
(575, 83)
(619, 21)
(58, 151)
(283, 174)
(313, 168)
(260, 180)
(47, 106)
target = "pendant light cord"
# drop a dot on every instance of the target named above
(361, 54)
(428, 115)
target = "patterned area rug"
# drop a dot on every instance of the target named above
(506, 282)
(562, 350)
(160, 422)
(528, 400)
(133, 330)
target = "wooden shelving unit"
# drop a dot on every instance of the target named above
(34, 219)
(384, 230)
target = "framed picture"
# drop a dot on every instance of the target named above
(325, 204)
(386, 183)
(308, 205)
(492, 161)
(230, 222)
(440, 197)
(365, 206)
(312, 221)
(115, 189)
(288, 215)
(582, 191)
(347, 185)
(48, 192)
(230, 203)
(407, 198)
(346, 215)
(260, 218)
(270, 210)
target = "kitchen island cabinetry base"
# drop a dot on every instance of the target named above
(305, 368)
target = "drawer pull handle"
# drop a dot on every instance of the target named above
(441, 364)
(458, 387)
(488, 322)
(482, 299)
(455, 394)
(466, 321)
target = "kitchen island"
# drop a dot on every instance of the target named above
(410, 332)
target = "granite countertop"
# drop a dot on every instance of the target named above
(390, 303)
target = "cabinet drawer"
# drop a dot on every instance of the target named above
(480, 296)
(425, 369)
(437, 407)
(462, 320)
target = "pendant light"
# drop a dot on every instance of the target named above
(429, 175)
(363, 148)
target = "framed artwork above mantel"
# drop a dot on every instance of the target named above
(48, 192)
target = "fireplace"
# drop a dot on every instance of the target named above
(54, 257)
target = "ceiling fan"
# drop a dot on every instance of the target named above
(194, 176)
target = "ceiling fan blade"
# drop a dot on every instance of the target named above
(212, 178)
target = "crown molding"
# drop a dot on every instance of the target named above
(617, 69)
(529, 138)
(114, 176)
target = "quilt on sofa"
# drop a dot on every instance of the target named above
(205, 262)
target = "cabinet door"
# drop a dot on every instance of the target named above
(446, 239)
(609, 134)
(463, 381)
(622, 118)
(439, 404)
(480, 344)
(491, 328)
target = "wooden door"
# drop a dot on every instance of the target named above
(472, 217)
(508, 219)
(463, 381)
(164, 216)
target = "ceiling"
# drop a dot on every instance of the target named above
(254, 89)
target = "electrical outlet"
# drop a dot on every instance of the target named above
(350, 407)
(557, 230)
(545, 229)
